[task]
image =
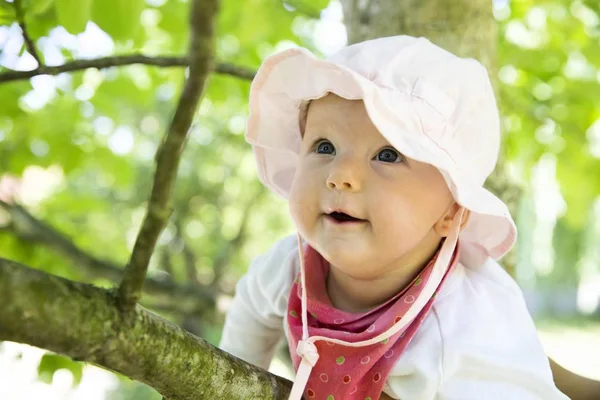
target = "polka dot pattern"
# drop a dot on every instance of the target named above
(344, 372)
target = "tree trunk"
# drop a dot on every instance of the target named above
(465, 27)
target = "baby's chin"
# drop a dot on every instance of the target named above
(345, 255)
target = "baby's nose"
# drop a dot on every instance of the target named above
(331, 184)
(345, 176)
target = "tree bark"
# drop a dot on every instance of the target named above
(465, 27)
(85, 323)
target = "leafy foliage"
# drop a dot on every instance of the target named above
(550, 52)
(92, 134)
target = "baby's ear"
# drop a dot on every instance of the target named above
(443, 225)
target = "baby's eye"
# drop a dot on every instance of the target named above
(325, 147)
(389, 155)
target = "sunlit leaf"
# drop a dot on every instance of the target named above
(74, 14)
(39, 6)
(51, 363)
(7, 13)
(119, 18)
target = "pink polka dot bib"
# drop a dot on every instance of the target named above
(340, 371)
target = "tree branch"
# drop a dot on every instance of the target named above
(84, 323)
(186, 298)
(168, 154)
(189, 262)
(235, 70)
(118, 61)
(167, 263)
(28, 41)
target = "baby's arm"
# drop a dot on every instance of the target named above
(254, 322)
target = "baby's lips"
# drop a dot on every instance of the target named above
(332, 210)
(343, 217)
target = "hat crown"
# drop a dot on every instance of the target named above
(453, 96)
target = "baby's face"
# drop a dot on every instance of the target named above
(386, 204)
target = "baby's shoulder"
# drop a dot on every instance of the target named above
(479, 337)
(274, 271)
(282, 255)
(484, 318)
(479, 299)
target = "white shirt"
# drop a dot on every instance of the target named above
(478, 341)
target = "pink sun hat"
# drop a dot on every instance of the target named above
(429, 104)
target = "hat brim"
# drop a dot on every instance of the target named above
(292, 77)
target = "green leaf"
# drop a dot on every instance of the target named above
(118, 18)
(7, 13)
(39, 6)
(172, 15)
(73, 15)
(51, 363)
(40, 25)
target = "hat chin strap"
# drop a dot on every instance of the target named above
(306, 348)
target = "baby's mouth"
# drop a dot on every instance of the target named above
(341, 218)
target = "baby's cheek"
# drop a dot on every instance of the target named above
(404, 222)
(302, 211)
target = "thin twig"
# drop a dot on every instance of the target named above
(168, 154)
(224, 256)
(117, 61)
(28, 41)
(189, 261)
(30, 229)
(167, 263)
(235, 70)
(189, 258)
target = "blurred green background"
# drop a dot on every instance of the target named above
(76, 151)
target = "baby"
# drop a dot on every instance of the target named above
(391, 288)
